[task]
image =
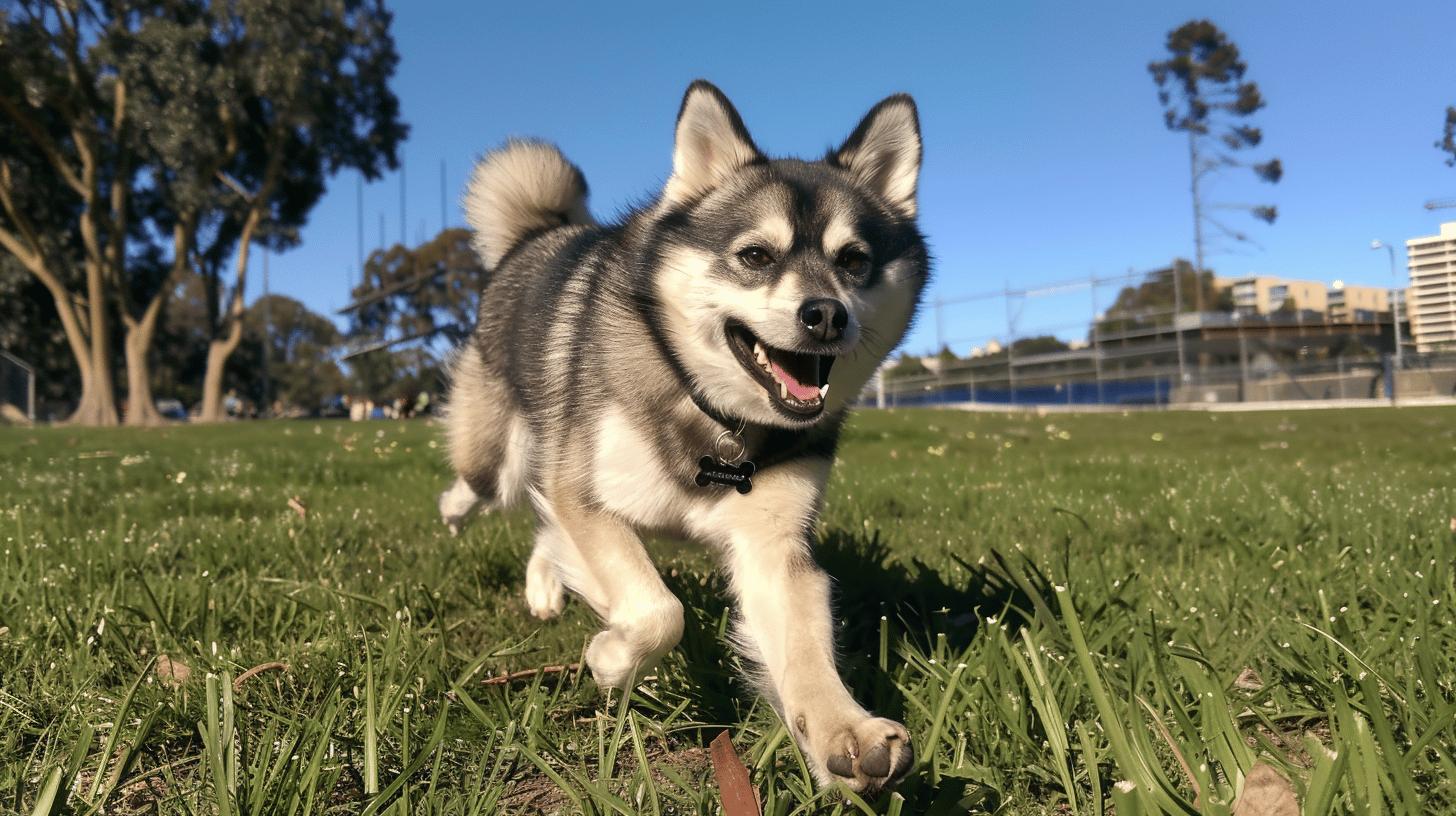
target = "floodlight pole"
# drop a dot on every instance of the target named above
(267, 338)
(1396, 295)
(1096, 337)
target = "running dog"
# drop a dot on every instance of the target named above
(687, 370)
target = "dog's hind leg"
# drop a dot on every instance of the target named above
(456, 504)
(488, 441)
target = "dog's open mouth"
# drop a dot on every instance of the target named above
(795, 381)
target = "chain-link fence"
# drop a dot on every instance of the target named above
(1141, 339)
(17, 385)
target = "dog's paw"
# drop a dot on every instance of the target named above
(545, 595)
(456, 504)
(870, 756)
(622, 654)
(613, 661)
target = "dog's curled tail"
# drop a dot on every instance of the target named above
(523, 188)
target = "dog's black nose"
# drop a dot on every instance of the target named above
(824, 319)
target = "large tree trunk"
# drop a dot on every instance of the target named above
(141, 405)
(141, 408)
(98, 392)
(97, 405)
(221, 348)
(101, 408)
(86, 331)
(218, 352)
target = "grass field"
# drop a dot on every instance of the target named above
(1070, 613)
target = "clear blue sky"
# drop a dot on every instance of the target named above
(1045, 158)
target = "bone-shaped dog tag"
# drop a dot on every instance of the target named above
(712, 471)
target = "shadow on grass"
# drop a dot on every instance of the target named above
(923, 608)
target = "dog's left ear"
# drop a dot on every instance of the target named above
(711, 144)
(883, 153)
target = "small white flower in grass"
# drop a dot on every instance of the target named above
(181, 476)
(1157, 437)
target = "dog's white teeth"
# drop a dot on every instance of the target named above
(760, 355)
(783, 390)
(823, 390)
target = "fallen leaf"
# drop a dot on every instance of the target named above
(172, 673)
(1266, 793)
(297, 505)
(1248, 680)
(739, 798)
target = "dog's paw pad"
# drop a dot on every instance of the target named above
(874, 754)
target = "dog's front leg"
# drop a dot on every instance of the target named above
(788, 625)
(601, 558)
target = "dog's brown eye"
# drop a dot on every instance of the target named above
(853, 261)
(755, 256)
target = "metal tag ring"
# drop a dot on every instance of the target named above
(728, 447)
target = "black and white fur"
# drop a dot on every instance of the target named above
(604, 366)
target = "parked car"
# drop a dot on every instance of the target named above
(172, 409)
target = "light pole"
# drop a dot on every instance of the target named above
(1395, 297)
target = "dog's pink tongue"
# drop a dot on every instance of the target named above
(799, 390)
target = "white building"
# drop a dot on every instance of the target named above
(1432, 294)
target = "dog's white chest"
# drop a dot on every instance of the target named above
(630, 480)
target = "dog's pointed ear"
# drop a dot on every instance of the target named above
(883, 153)
(711, 144)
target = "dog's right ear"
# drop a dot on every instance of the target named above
(711, 144)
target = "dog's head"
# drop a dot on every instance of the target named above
(784, 283)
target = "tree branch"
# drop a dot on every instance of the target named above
(44, 143)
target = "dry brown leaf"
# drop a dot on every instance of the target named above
(739, 798)
(272, 665)
(1266, 793)
(297, 505)
(1248, 680)
(172, 673)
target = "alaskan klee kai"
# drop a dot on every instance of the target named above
(686, 370)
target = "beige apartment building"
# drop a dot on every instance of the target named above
(1432, 293)
(1263, 294)
(1357, 303)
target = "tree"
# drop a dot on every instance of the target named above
(152, 135)
(413, 306)
(907, 366)
(300, 346)
(1039, 344)
(308, 95)
(63, 192)
(1203, 92)
(1448, 142)
(1153, 301)
(419, 292)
